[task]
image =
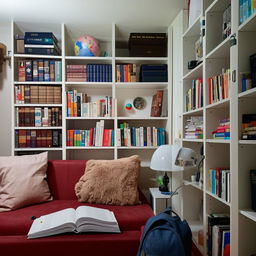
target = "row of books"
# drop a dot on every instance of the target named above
(194, 128)
(79, 105)
(140, 136)
(126, 72)
(44, 43)
(38, 117)
(226, 23)
(87, 138)
(247, 8)
(219, 183)
(34, 94)
(223, 130)
(38, 138)
(194, 95)
(219, 87)
(218, 242)
(97, 136)
(39, 70)
(249, 126)
(159, 106)
(89, 73)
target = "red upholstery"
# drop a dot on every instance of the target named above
(62, 176)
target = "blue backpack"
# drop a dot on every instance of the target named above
(166, 235)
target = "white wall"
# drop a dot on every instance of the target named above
(5, 95)
(178, 28)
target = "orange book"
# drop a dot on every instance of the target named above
(126, 73)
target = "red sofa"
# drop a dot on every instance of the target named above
(62, 176)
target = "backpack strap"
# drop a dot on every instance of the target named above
(169, 211)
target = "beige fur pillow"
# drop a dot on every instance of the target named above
(112, 182)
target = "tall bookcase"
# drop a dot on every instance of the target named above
(235, 154)
(113, 39)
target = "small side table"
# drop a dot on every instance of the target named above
(158, 200)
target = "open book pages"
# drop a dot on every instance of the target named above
(83, 219)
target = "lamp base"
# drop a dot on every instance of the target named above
(164, 187)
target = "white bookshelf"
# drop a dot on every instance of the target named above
(109, 36)
(235, 153)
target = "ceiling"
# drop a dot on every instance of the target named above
(155, 13)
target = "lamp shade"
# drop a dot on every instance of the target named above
(164, 159)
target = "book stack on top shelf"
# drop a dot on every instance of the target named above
(41, 43)
(223, 130)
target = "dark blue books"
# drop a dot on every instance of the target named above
(41, 35)
(153, 73)
(29, 70)
(41, 51)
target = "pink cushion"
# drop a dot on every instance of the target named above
(112, 182)
(22, 181)
(19, 221)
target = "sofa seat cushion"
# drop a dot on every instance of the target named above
(18, 222)
(125, 244)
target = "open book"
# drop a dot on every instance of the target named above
(83, 219)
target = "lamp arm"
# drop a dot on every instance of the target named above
(175, 191)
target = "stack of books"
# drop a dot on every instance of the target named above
(76, 73)
(140, 136)
(247, 8)
(38, 138)
(42, 43)
(226, 23)
(126, 72)
(219, 183)
(39, 70)
(194, 128)
(26, 94)
(194, 95)
(39, 117)
(153, 73)
(218, 87)
(249, 127)
(159, 106)
(223, 130)
(218, 242)
(98, 137)
(79, 105)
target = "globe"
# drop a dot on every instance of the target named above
(87, 45)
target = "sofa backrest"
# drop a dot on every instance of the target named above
(62, 175)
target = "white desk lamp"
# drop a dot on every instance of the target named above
(172, 158)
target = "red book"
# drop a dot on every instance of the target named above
(126, 69)
(22, 73)
(105, 138)
(71, 136)
(91, 138)
(44, 138)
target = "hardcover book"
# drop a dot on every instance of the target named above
(82, 219)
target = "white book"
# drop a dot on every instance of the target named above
(137, 137)
(118, 137)
(101, 133)
(39, 46)
(45, 117)
(164, 110)
(141, 137)
(228, 187)
(223, 185)
(82, 219)
(154, 136)
(149, 144)
(128, 137)
(97, 134)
